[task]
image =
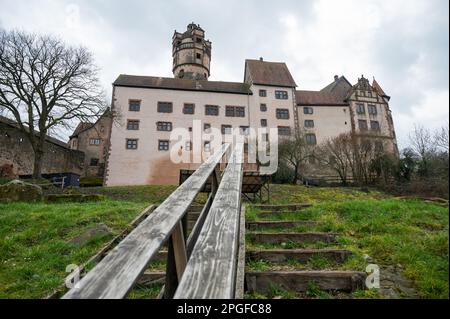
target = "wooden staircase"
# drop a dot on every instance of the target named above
(287, 256)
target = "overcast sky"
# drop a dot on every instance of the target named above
(404, 44)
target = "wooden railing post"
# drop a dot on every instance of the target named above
(176, 258)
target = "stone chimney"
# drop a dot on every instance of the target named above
(336, 77)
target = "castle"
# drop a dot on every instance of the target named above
(150, 107)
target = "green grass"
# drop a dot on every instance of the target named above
(34, 248)
(147, 194)
(410, 233)
(286, 194)
(145, 292)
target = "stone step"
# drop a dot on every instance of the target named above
(299, 255)
(278, 238)
(298, 281)
(278, 224)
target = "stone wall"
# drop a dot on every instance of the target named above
(15, 149)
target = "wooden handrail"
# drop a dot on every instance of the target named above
(117, 273)
(211, 270)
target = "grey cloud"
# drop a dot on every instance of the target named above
(140, 36)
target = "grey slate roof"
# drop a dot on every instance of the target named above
(152, 82)
(269, 73)
(303, 97)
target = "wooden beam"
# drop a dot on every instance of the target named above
(287, 207)
(240, 273)
(298, 281)
(299, 255)
(116, 274)
(211, 270)
(179, 249)
(279, 224)
(278, 238)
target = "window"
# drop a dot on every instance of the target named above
(282, 114)
(311, 139)
(188, 146)
(134, 105)
(165, 107)
(102, 129)
(263, 107)
(372, 109)
(132, 144)
(281, 95)
(263, 122)
(262, 93)
(360, 108)
(207, 127)
(374, 125)
(188, 108)
(362, 124)
(164, 126)
(94, 162)
(265, 137)
(207, 147)
(284, 130)
(211, 110)
(190, 129)
(229, 111)
(133, 125)
(309, 123)
(94, 141)
(240, 111)
(235, 111)
(199, 40)
(199, 56)
(245, 130)
(308, 110)
(163, 145)
(226, 129)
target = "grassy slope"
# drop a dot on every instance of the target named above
(34, 250)
(410, 233)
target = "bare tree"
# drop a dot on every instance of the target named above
(45, 85)
(335, 153)
(359, 156)
(294, 152)
(441, 138)
(421, 141)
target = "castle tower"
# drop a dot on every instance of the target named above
(191, 54)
